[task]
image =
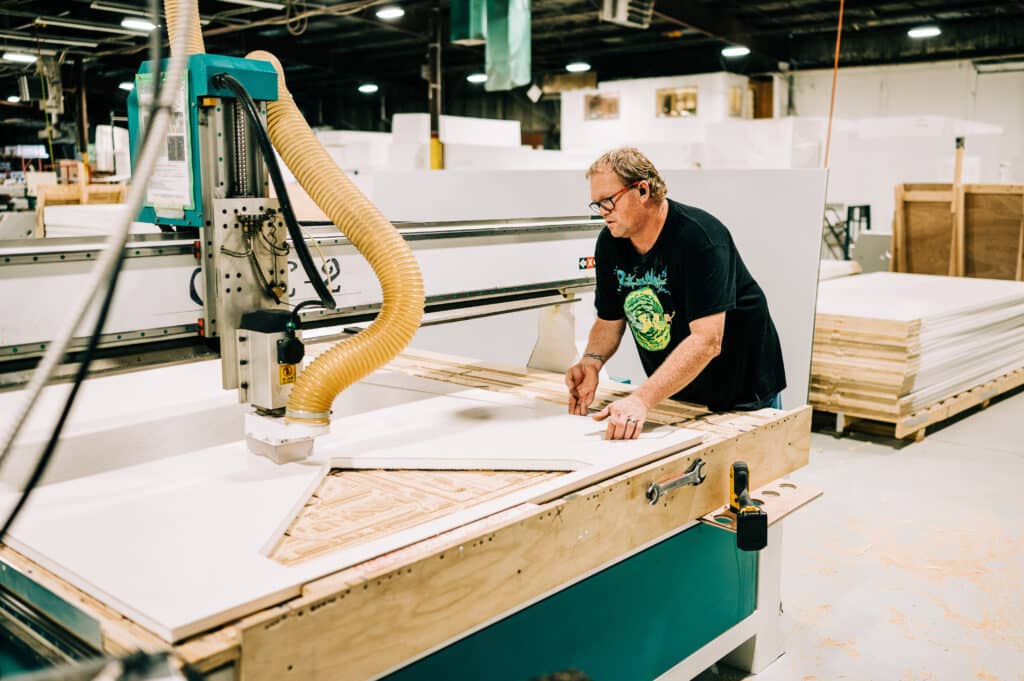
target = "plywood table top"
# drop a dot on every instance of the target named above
(181, 545)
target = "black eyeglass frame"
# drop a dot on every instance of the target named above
(607, 204)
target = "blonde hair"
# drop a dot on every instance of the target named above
(631, 166)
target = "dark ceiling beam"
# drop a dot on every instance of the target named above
(961, 40)
(361, 66)
(588, 17)
(824, 15)
(720, 23)
(798, 28)
(592, 33)
(678, 61)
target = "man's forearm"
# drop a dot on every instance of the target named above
(677, 371)
(604, 340)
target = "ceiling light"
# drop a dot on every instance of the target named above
(368, 88)
(127, 86)
(81, 25)
(20, 49)
(262, 4)
(57, 40)
(13, 99)
(390, 13)
(19, 57)
(138, 24)
(477, 78)
(924, 32)
(577, 67)
(735, 51)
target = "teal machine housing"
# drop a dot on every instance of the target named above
(632, 621)
(258, 77)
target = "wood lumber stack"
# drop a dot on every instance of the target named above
(889, 345)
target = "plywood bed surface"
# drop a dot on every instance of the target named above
(181, 545)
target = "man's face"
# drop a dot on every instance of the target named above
(623, 219)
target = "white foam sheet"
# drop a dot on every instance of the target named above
(179, 544)
(89, 220)
(484, 430)
(908, 297)
(834, 269)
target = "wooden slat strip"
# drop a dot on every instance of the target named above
(912, 196)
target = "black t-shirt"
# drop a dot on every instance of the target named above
(693, 271)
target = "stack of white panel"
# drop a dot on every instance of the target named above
(887, 345)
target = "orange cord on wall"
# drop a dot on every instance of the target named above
(835, 77)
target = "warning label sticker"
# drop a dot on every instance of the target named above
(286, 373)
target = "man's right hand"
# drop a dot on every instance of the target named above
(581, 379)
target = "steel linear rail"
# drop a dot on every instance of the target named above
(480, 268)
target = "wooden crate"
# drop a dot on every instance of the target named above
(73, 195)
(973, 230)
(915, 424)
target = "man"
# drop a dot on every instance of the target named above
(672, 272)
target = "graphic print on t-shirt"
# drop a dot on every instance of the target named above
(650, 324)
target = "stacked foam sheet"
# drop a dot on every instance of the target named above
(887, 345)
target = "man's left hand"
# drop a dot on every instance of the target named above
(625, 418)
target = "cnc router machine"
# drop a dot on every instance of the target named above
(447, 520)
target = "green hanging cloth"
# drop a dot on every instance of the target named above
(468, 19)
(507, 29)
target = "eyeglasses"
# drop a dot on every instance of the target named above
(607, 204)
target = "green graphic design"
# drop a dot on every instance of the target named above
(651, 327)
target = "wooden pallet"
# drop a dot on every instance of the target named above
(915, 425)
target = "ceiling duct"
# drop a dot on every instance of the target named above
(632, 13)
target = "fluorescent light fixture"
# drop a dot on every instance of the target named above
(262, 4)
(13, 99)
(138, 24)
(734, 51)
(55, 40)
(127, 86)
(924, 32)
(20, 57)
(477, 78)
(81, 25)
(577, 67)
(119, 8)
(368, 88)
(36, 51)
(390, 12)
(132, 10)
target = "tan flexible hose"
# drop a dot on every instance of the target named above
(359, 220)
(195, 38)
(372, 235)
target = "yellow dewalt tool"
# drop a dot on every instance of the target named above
(751, 521)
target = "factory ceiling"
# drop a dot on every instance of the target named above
(331, 45)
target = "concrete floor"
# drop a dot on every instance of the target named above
(911, 566)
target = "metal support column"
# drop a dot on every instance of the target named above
(83, 117)
(434, 86)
